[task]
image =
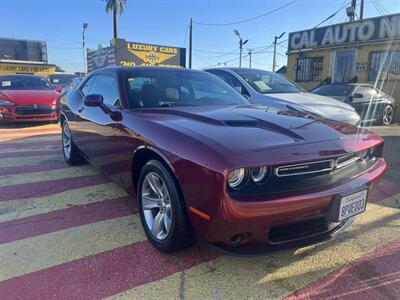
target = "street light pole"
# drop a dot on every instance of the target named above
(274, 56)
(190, 42)
(241, 43)
(85, 26)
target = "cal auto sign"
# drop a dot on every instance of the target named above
(364, 31)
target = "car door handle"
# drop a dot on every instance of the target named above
(80, 109)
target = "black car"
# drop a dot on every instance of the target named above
(373, 105)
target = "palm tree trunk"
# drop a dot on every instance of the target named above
(115, 24)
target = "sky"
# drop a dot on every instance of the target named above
(59, 22)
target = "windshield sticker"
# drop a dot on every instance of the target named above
(6, 83)
(262, 85)
(55, 80)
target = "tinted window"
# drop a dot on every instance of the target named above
(105, 85)
(334, 90)
(166, 88)
(24, 82)
(267, 82)
(231, 80)
(366, 91)
(61, 78)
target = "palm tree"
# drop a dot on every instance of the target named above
(116, 7)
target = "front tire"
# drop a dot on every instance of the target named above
(71, 153)
(387, 115)
(162, 210)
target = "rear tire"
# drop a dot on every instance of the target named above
(71, 153)
(162, 209)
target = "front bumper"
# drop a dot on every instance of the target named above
(9, 114)
(257, 222)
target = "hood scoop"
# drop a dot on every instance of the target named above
(242, 123)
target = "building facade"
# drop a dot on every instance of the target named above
(24, 57)
(364, 51)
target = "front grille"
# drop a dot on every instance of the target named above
(38, 109)
(305, 168)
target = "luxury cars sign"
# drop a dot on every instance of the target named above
(20, 68)
(125, 53)
(367, 30)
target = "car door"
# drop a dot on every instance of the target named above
(365, 102)
(96, 130)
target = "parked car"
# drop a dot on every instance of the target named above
(202, 161)
(27, 98)
(373, 105)
(272, 89)
(60, 80)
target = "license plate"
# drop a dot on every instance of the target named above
(352, 204)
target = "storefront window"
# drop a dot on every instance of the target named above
(384, 65)
(309, 68)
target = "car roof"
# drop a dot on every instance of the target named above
(21, 75)
(235, 69)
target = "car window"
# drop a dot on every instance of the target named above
(366, 91)
(166, 88)
(231, 80)
(104, 85)
(24, 82)
(266, 82)
(334, 90)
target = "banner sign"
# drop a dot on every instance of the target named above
(368, 30)
(11, 68)
(124, 53)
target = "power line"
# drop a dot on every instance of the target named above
(381, 6)
(332, 15)
(249, 19)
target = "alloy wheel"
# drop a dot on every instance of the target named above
(388, 115)
(156, 206)
(66, 140)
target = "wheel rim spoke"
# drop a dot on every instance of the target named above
(149, 202)
(157, 227)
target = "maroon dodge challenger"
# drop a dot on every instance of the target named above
(202, 161)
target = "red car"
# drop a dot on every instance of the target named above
(27, 98)
(203, 162)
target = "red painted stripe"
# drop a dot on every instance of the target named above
(45, 188)
(28, 145)
(373, 276)
(30, 153)
(31, 169)
(66, 218)
(103, 274)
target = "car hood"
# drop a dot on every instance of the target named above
(249, 128)
(29, 97)
(321, 105)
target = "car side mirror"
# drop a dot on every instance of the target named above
(358, 95)
(350, 98)
(93, 100)
(59, 88)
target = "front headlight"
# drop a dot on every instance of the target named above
(6, 102)
(259, 174)
(236, 177)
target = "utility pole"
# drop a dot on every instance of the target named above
(276, 38)
(85, 26)
(362, 9)
(250, 51)
(241, 43)
(190, 42)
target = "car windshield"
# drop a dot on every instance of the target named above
(334, 90)
(171, 88)
(24, 82)
(61, 78)
(266, 82)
